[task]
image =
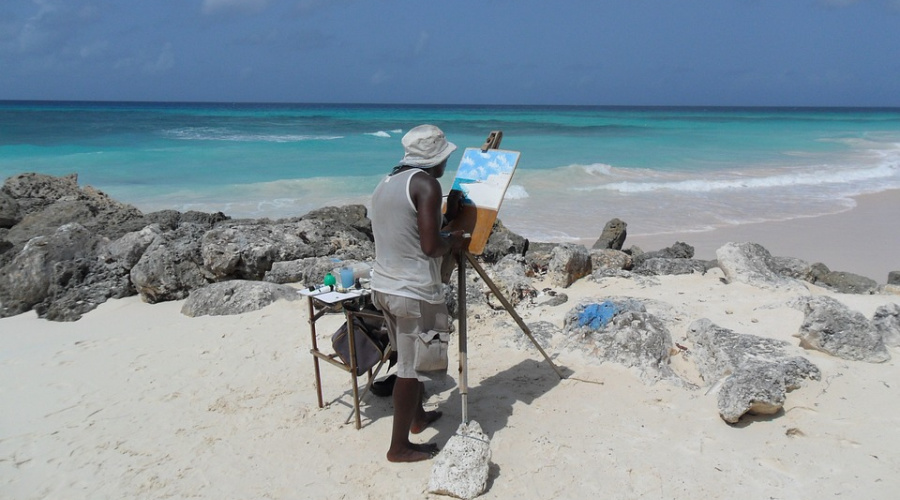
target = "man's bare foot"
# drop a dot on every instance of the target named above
(415, 453)
(427, 419)
(431, 448)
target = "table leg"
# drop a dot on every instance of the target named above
(315, 348)
(350, 331)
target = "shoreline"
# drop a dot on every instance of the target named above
(858, 240)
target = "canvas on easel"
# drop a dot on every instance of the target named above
(483, 177)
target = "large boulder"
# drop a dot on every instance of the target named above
(756, 372)
(679, 250)
(886, 322)
(750, 263)
(9, 210)
(171, 266)
(610, 259)
(844, 282)
(462, 468)
(755, 388)
(60, 276)
(664, 267)
(568, 263)
(620, 330)
(537, 257)
(676, 259)
(893, 278)
(27, 279)
(613, 236)
(831, 327)
(47, 202)
(503, 242)
(793, 267)
(127, 250)
(509, 277)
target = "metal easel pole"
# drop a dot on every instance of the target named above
(463, 344)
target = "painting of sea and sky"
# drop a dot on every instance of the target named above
(483, 176)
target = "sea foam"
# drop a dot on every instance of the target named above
(808, 178)
(217, 134)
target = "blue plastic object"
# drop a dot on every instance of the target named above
(597, 316)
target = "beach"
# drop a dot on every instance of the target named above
(862, 240)
(139, 401)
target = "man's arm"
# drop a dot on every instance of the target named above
(426, 196)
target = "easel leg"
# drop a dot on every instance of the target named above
(509, 308)
(463, 344)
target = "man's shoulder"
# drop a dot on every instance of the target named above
(423, 182)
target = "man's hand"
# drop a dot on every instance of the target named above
(459, 241)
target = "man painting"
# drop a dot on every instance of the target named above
(406, 222)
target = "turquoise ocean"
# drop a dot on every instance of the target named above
(659, 169)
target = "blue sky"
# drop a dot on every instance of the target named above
(600, 52)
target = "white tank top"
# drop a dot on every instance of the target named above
(401, 267)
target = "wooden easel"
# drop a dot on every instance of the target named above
(492, 142)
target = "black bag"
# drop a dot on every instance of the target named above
(369, 347)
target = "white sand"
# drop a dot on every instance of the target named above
(139, 401)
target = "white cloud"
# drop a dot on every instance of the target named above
(162, 63)
(34, 34)
(217, 6)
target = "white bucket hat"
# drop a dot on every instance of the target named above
(425, 146)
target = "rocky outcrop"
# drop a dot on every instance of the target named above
(68, 249)
(756, 372)
(235, 297)
(831, 327)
